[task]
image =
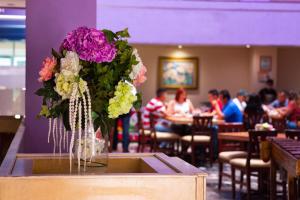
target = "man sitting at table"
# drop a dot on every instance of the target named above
(230, 111)
(157, 108)
(281, 101)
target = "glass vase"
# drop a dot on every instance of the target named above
(91, 151)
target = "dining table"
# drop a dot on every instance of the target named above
(188, 120)
(239, 136)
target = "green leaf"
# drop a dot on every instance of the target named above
(56, 54)
(124, 33)
(138, 103)
(110, 36)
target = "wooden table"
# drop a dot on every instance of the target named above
(286, 154)
(128, 176)
(188, 120)
(240, 136)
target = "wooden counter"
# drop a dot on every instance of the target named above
(152, 176)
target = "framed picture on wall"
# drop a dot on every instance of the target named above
(265, 64)
(174, 73)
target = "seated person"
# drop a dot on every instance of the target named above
(268, 94)
(230, 111)
(254, 108)
(240, 100)
(292, 111)
(281, 101)
(216, 104)
(180, 105)
(156, 106)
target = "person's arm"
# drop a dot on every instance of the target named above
(285, 111)
(218, 110)
(191, 107)
(170, 108)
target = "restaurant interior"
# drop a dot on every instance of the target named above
(184, 100)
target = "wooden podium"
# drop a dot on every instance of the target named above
(152, 176)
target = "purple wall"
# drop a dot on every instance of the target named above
(47, 23)
(204, 23)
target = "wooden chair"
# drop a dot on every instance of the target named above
(252, 163)
(226, 154)
(279, 124)
(144, 135)
(251, 119)
(293, 134)
(201, 135)
(157, 137)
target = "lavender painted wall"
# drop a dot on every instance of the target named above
(47, 23)
(204, 23)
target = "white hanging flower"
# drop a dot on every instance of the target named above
(136, 68)
(70, 63)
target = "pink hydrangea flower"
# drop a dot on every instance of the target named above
(47, 70)
(141, 77)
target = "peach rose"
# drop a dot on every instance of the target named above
(47, 70)
(141, 77)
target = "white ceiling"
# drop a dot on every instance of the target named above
(12, 3)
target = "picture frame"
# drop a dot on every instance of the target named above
(174, 73)
(265, 64)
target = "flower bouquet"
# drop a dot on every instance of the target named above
(87, 84)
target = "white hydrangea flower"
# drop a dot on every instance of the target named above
(70, 63)
(65, 81)
(136, 68)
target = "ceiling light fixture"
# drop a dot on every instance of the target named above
(12, 17)
(179, 46)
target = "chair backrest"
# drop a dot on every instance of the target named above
(139, 120)
(231, 127)
(255, 138)
(251, 119)
(279, 124)
(293, 134)
(202, 125)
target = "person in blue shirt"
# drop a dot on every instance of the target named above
(281, 101)
(230, 111)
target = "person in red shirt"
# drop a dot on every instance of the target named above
(157, 108)
(216, 103)
(292, 111)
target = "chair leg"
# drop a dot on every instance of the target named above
(233, 181)
(241, 180)
(248, 185)
(211, 155)
(193, 155)
(220, 174)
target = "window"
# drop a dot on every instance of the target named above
(12, 53)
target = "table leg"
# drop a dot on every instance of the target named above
(291, 188)
(273, 180)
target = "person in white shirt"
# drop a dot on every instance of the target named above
(180, 106)
(240, 100)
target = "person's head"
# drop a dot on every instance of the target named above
(161, 94)
(224, 96)
(292, 95)
(282, 96)
(242, 95)
(180, 95)
(213, 95)
(254, 104)
(270, 83)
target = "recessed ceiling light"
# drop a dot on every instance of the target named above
(248, 46)
(179, 46)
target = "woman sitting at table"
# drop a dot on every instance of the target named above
(292, 111)
(180, 106)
